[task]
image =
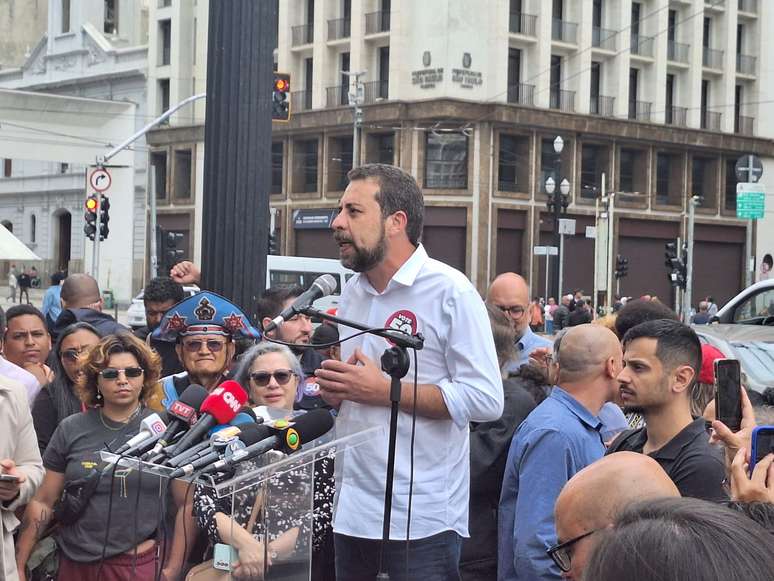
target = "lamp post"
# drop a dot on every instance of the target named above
(557, 202)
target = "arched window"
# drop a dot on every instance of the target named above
(33, 228)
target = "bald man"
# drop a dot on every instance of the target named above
(559, 438)
(509, 292)
(82, 302)
(592, 498)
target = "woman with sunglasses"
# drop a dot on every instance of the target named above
(58, 399)
(108, 535)
(272, 373)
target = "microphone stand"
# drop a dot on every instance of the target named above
(395, 362)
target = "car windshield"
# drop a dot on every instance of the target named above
(757, 309)
(757, 359)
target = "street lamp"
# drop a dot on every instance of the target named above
(557, 202)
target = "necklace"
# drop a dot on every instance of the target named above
(123, 423)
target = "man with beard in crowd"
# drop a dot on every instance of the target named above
(160, 295)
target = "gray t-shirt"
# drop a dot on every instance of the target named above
(74, 451)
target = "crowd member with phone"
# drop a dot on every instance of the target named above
(663, 358)
(21, 469)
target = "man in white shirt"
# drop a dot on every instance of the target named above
(398, 286)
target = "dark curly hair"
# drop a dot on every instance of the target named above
(98, 359)
(162, 289)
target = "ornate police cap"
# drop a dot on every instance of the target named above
(202, 314)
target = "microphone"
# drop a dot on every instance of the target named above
(182, 412)
(321, 287)
(221, 431)
(220, 407)
(149, 427)
(249, 436)
(288, 439)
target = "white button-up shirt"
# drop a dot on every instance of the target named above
(459, 357)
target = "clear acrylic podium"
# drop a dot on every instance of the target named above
(278, 492)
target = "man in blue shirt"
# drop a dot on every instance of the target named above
(52, 301)
(509, 292)
(559, 438)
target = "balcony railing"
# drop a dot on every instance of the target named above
(750, 6)
(676, 116)
(377, 22)
(640, 110)
(743, 125)
(745, 64)
(303, 34)
(520, 23)
(339, 28)
(562, 100)
(376, 91)
(715, 3)
(564, 31)
(711, 120)
(603, 38)
(300, 101)
(712, 58)
(165, 3)
(602, 105)
(642, 45)
(522, 94)
(337, 96)
(677, 52)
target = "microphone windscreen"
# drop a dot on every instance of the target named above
(253, 433)
(225, 401)
(243, 418)
(312, 424)
(194, 396)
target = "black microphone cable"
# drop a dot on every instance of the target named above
(109, 514)
(411, 461)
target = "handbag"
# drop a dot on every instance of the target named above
(75, 497)
(206, 571)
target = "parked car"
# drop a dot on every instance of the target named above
(752, 345)
(753, 306)
(135, 314)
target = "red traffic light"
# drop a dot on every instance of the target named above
(91, 203)
(281, 84)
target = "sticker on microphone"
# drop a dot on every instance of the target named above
(311, 388)
(403, 321)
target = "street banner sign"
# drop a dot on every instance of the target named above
(750, 201)
(543, 250)
(567, 226)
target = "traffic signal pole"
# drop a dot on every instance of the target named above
(687, 295)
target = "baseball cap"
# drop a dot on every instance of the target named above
(708, 356)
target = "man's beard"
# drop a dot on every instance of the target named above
(364, 259)
(633, 409)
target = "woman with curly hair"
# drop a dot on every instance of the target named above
(117, 378)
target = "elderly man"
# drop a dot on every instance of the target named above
(582, 511)
(509, 292)
(82, 302)
(204, 327)
(559, 438)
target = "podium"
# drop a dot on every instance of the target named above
(275, 493)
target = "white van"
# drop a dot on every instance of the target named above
(302, 271)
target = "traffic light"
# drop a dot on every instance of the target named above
(676, 265)
(621, 266)
(104, 217)
(90, 216)
(172, 251)
(280, 97)
(274, 244)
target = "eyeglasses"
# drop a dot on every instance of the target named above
(73, 354)
(515, 311)
(195, 345)
(112, 372)
(561, 554)
(262, 378)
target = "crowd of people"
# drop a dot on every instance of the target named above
(534, 442)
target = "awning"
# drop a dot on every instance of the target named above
(11, 248)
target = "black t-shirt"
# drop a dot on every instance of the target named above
(24, 280)
(74, 452)
(696, 467)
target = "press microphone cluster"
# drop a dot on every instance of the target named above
(322, 287)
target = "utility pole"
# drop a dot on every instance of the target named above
(356, 99)
(689, 235)
(610, 255)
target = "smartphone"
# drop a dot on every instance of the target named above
(728, 393)
(8, 478)
(762, 444)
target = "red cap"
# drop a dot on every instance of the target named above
(708, 356)
(225, 401)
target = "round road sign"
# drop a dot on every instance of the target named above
(100, 180)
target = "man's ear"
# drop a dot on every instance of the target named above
(179, 351)
(265, 321)
(682, 378)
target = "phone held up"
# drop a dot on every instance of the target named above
(8, 478)
(728, 393)
(762, 444)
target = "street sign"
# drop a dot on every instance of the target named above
(543, 250)
(567, 226)
(749, 169)
(591, 231)
(750, 201)
(100, 180)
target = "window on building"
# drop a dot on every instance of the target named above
(65, 16)
(558, 166)
(706, 32)
(111, 17)
(7, 167)
(672, 26)
(339, 162)
(33, 228)
(669, 178)
(446, 161)
(704, 180)
(595, 160)
(310, 12)
(558, 9)
(380, 148)
(512, 163)
(596, 14)
(165, 44)
(556, 82)
(632, 170)
(634, 78)
(159, 168)
(64, 167)
(163, 95)
(344, 90)
(730, 197)
(384, 72)
(183, 172)
(277, 166)
(704, 104)
(305, 161)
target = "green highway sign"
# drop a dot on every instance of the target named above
(750, 201)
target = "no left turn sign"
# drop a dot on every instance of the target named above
(100, 180)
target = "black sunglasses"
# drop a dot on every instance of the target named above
(195, 345)
(561, 553)
(112, 372)
(262, 378)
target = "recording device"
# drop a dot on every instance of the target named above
(322, 287)
(728, 393)
(182, 413)
(151, 426)
(9, 478)
(288, 439)
(762, 444)
(221, 431)
(222, 405)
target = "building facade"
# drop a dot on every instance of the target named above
(654, 100)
